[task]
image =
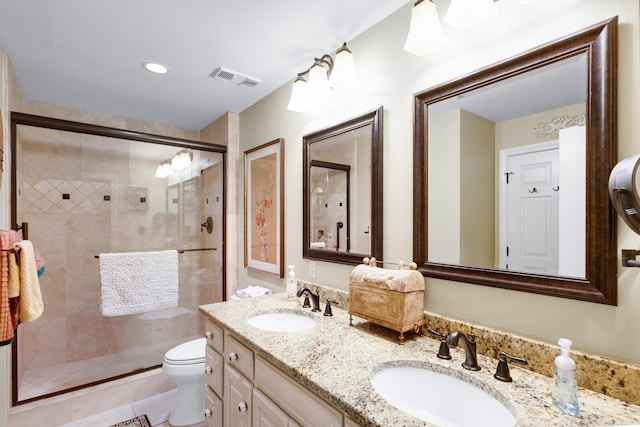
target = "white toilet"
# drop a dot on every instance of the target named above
(184, 364)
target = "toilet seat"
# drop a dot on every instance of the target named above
(188, 353)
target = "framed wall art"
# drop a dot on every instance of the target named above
(264, 208)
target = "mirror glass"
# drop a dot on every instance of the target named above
(517, 151)
(342, 213)
(511, 169)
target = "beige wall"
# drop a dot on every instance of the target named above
(477, 213)
(460, 199)
(390, 77)
(444, 223)
(225, 131)
(517, 132)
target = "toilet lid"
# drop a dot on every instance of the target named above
(188, 353)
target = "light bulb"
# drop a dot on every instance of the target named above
(425, 31)
(299, 101)
(344, 74)
(318, 84)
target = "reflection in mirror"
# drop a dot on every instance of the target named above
(330, 206)
(342, 212)
(511, 165)
(521, 194)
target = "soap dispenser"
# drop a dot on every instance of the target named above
(565, 386)
(291, 282)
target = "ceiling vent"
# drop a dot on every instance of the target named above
(231, 76)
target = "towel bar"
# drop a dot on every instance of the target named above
(180, 251)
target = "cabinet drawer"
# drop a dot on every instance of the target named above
(238, 356)
(266, 413)
(302, 405)
(213, 410)
(214, 370)
(238, 394)
(348, 422)
(214, 335)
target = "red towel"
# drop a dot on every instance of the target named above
(8, 306)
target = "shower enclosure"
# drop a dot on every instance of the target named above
(84, 190)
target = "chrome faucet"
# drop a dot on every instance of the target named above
(315, 298)
(469, 344)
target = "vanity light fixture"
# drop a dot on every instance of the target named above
(155, 67)
(181, 161)
(325, 74)
(163, 170)
(425, 31)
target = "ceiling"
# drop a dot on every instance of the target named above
(87, 54)
(553, 86)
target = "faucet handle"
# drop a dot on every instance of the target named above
(502, 371)
(327, 308)
(306, 303)
(443, 351)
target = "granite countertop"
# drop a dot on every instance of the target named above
(335, 360)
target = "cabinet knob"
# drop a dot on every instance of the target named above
(208, 370)
(207, 412)
(242, 407)
(233, 357)
(208, 335)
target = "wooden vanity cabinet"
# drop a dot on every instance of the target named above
(238, 399)
(348, 422)
(213, 410)
(214, 374)
(307, 408)
(244, 390)
(268, 414)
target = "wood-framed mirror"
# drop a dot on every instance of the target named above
(342, 186)
(488, 209)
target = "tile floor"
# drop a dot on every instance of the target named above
(156, 408)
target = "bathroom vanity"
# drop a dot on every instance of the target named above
(257, 393)
(320, 376)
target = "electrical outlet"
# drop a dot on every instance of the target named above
(312, 269)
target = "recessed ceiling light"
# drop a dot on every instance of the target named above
(155, 67)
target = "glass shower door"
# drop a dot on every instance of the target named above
(83, 195)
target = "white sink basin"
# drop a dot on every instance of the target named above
(439, 398)
(282, 322)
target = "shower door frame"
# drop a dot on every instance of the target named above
(90, 129)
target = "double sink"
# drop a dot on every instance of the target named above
(435, 397)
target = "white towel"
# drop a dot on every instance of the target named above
(136, 282)
(252, 292)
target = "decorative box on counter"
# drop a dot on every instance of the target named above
(390, 298)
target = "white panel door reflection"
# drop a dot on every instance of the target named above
(532, 212)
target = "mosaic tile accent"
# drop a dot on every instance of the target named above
(83, 197)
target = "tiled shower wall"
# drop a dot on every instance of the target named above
(79, 202)
(76, 196)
